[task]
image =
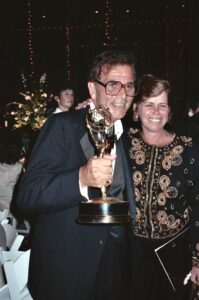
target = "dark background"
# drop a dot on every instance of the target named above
(163, 35)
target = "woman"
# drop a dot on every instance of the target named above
(165, 171)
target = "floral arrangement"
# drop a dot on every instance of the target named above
(31, 110)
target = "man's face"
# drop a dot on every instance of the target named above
(66, 99)
(120, 103)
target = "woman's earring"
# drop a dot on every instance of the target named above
(135, 116)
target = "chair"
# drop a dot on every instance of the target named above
(9, 255)
(4, 257)
(2, 277)
(4, 217)
(17, 276)
(13, 239)
(4, 293)
(23, 227)
(3, 241)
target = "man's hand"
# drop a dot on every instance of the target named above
(97, 172)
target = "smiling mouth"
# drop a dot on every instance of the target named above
(119, 104)
(155, 120)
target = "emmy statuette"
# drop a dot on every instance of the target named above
(103, 210)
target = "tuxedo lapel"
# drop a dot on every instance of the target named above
(89, 152)
(86, 145)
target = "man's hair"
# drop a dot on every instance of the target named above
(108, 59)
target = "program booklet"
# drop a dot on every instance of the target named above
(175, 258)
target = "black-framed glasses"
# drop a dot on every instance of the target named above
(114, 87)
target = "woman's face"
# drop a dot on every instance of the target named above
(154, 113)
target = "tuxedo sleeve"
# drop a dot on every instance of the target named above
(51, 180)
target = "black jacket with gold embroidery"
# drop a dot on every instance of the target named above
(166, 181)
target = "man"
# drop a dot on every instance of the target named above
(193, 106)
(189, 126)
(70, 260)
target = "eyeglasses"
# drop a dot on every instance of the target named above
(114, 87)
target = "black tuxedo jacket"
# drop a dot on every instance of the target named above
(65, 255)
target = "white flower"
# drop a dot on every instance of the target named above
(44, 95)
(26, 118)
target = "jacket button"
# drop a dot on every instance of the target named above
(101, 242)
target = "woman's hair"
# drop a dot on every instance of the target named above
(151, 86)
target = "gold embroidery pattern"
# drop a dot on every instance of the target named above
(171, 192)
(136, 144)
(170, 220)
(164, 182)
(137, 195)
(173, 158)
(186, 213)
(153, 191)
(138, 214)
(161, 199)
(133, 131)
(137, 177)
(186, 139)
(140, 157)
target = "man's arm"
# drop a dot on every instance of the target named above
(51, 181)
